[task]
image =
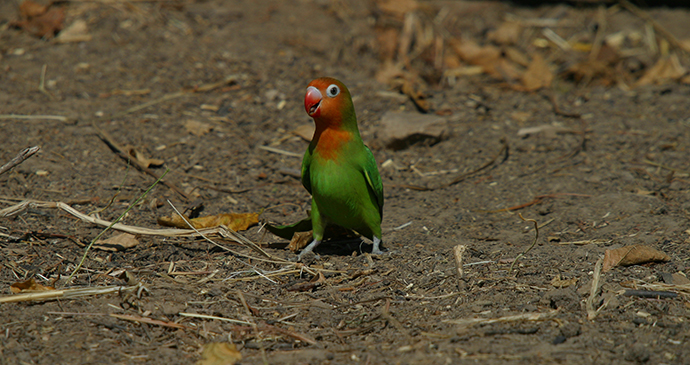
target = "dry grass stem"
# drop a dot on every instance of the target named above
(21, 157)
(591, 312)
(20, 116)
(281, 152)
(204, 316)
(68, 293)
(514, 318)
(536, 236)
(458, 252)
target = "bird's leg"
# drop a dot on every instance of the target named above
(308, 249)
(377, 247)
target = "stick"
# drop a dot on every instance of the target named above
(21, 157)
(115, 147)
(66, 293)
(458, 251)
(21, 116)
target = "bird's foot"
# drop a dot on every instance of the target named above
(308, 251)
(377, 247)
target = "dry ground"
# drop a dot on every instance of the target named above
(605, 181)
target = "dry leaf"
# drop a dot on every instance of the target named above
(197, 128)
(39, 20)
(306, 131)
(30, 9)
(507, 33)
(537, 75)
(234, 221)
(77, 32)
(667, 68)
(300, 240)
(29, 285)
(148, 162)
(219, 353)
(118, 242)
(632, 255)
(563, 283)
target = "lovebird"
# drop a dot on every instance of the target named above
(338, 170)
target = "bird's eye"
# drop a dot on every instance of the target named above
(333, 91)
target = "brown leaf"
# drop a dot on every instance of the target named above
(666, 69)
(197, 128)
(299, 240)
(490, 58)
(219, 353)
(563, 283)
(148, 162)
(77, 32)
(306, 131)
(537, 75)
(39, 22)
(30, 9)
(507, 33)
(29, 285)
(234, 221)
(118, 242)
(632, 255)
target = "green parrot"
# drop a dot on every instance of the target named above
(338, 170)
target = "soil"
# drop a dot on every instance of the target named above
(613, 177)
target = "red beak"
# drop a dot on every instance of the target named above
(312, 102)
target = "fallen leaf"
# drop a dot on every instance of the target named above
(30, 9)
(563, 283)
(148, 162)
(40, 20)
(119, 242)
(219, 353)
(490, 58)
(401, 129)
(234, 221)
(507, 33)
(667, 68)
(537, 76)
(77, 32)
(632, 255)
(29, 285)
(300, 240)
(197, 128)
(306, 131)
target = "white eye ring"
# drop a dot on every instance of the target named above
(332, 90)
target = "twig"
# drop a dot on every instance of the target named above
(21, 116)
(177, 94)
(458, 251)
(42, 82)
(21, 157)
(115, 147)
(504, 149)
(86, 251)
(279, 151)
(659, 28)
(67, 293)
(536, 235)
(204, 316)
(156, 322)
(557, 110)
(513, 318)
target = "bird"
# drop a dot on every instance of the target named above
(338, 170)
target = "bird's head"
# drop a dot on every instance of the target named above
(328, 100)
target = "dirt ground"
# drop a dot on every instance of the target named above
(614, 175)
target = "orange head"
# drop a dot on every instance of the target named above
(328, 101)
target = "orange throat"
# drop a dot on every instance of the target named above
(330, 142)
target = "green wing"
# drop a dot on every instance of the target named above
(306, 163)
(374, 183)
